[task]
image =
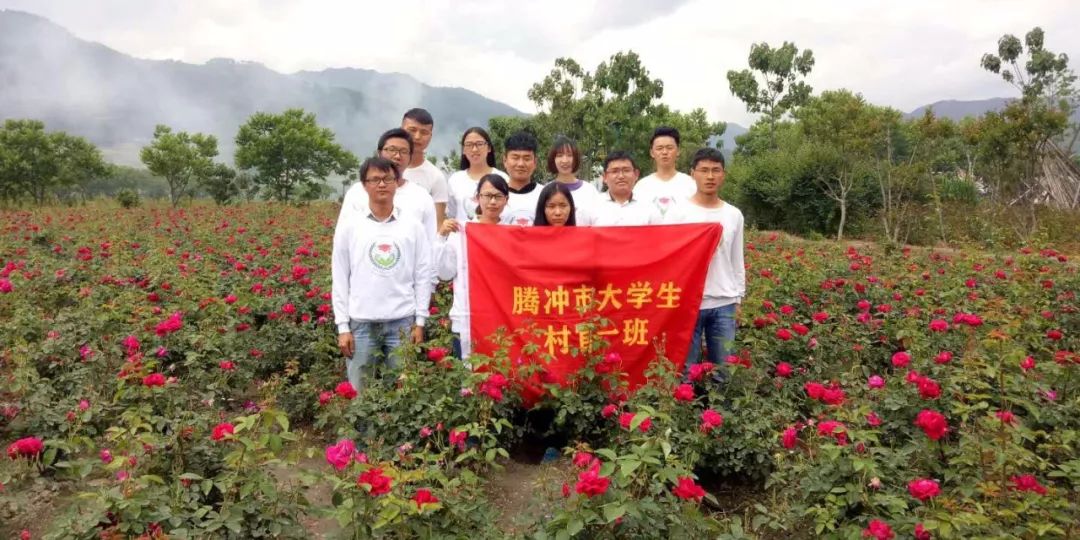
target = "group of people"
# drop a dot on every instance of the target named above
(401, 228)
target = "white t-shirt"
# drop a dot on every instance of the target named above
(412, 200)
(608, 213)
(585, 200)
(380, 270)
(521, 207)
(462, 204)
(429, 177)
(452, 262)
(665, 194)
(725, 283)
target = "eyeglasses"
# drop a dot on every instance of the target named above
(712, 170)
(395, 151)
(384, 180)
(491, 197)
(474, 145)
(622, 171)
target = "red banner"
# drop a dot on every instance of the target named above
(647, 281)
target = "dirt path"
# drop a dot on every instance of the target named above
(520, 490)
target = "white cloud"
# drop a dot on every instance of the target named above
(898, 54)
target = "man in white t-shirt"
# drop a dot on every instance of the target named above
(520, 163)
(419, 124)
(382, 271)
(618, 206)
(666, 188)
(725, 284)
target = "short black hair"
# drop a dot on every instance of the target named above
(522, 140)
(707, 154)
(464, 163)
(546, 194)
(664, 131)
(379, 164)
(620, 155)
(557, 147)
(420, 116)
(396, 133)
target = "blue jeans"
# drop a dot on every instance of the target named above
(374, 340)
(718, 326)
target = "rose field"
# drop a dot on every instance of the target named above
(174, 374)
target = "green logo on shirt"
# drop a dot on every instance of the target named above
(384, 254)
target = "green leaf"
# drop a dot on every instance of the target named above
(613, 511)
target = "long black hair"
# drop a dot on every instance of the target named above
(464, 164)
(497, 182)
(546, 194)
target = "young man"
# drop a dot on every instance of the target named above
(382, 271)
(618, 206)
(396, 146)
(725, 284)
(666, 188)
(419, 124)
(520, 163)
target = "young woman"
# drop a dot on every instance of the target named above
(477, 160)
(564, 161)
(555, 207)
(452, 263)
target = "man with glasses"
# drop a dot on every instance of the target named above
(382, 270)
(419, 124)
(666, 188)
(725, 284)
(414, 201)
(620, 207)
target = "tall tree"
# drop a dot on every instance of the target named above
(36, 163)
(780, 88)
(184, 160)
(291, 156)
(614, 106)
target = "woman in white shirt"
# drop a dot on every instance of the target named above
(564, 161)
(477, 160)
(452, 261)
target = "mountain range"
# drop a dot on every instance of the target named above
(115, 100)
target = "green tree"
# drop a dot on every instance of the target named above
(184, 160)
(36, 163)
(220, 184)
(850, 133)
(773, 86)
(614, 106)
(290, 155)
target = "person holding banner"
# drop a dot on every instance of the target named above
(667, 187)
(725, 283)
(477, 161)
(618, 206)
(564, 160)
(555, 207)
(520, 163)
(381, 272)
(452, 261)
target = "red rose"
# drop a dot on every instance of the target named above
(872, 419)
(627, 417)
(221, 430)
(790, 437)
(154, 379)
(878, 530)
(1054, 335)
(226, 365)
(609, 410)
(27, 447)
(783, 334)
(436, 354)
(928, 388)
(325, 396)
(711, 420)
(688, 489)
(697, 371)
(590, 483)
(423, 496)
(170, 325)
(943, 357)
(457, 438)
(377, 482)
(345, 389)
(1027, 482)
(939, 325)
(923, 488)
(834, 429)
(921, 533)
(1027, 363)
(684, 392)
(783, 369)
(583, 460)
(820, 317)
(932, 423)
(901, 359)
(1006, 417)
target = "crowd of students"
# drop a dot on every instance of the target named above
(401, 228)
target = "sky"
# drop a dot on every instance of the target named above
(901, 54)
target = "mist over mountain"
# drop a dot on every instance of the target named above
(115, 100)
